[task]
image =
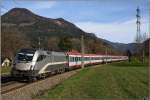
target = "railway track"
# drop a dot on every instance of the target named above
(12, 86)
(27, 91)
(9, 84)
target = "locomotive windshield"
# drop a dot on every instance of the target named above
(25, 56)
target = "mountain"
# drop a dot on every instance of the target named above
(123, 47)
(132, 47)
(22, 28)
(25, 19)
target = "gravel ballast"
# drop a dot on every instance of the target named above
(35, 89)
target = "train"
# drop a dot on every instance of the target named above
(36, 63)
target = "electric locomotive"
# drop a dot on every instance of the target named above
(32, 64)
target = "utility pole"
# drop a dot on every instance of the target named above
(138, 34)
(82, 50)
(149, 34)
(39, 43)
(149, 37)
(106, 51)
(138, 23)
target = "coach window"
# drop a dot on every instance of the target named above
(83, 59)
(71, 59)
(76, 59)
(79, 58)
(67, 58)
(86, 58)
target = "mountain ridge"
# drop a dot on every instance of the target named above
(123, 47)
(22, 28)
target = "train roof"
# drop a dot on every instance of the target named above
(58, 53)
(77, 53)
(62, 53)
(27, 50)
(41, 51)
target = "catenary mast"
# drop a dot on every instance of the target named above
(138, 23)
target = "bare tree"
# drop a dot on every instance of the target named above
(144, 37)
(53, 43)
(141, 47)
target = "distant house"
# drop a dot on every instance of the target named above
(6, 62)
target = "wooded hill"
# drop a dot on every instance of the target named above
(22, 28)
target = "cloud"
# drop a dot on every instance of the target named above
(29, 4)
(96, 16)
(39, 4)
(123, 32)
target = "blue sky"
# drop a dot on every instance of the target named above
(113, 20)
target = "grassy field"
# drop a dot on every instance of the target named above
(117, 81)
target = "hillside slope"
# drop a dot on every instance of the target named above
(123, 47)
(22, 28)
(132, 47)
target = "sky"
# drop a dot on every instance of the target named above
(113, 20)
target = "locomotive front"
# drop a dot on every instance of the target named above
(24, 64)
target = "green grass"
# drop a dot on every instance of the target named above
(117, 81)
(5, 69)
